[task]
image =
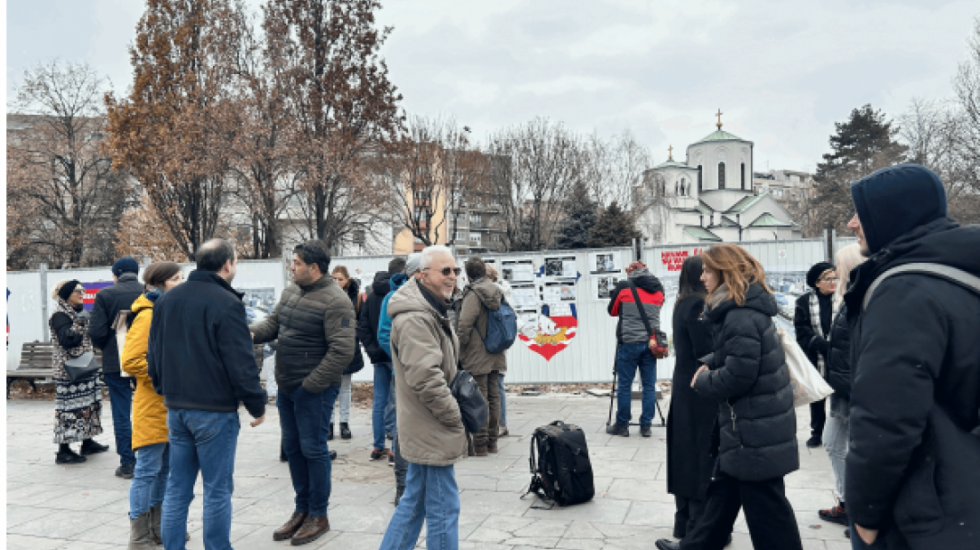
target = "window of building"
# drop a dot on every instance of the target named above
(495, 237)
(460, 236)
(359, 237)
(685, 190)
(475, 238)
(474, 219)
(743, 176)
(721, 175)
(700, 179)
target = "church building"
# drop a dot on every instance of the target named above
(709, 197)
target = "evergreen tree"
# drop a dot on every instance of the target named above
(580, 218)
(615, 227)
(864, 143)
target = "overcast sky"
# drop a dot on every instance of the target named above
(782, 71)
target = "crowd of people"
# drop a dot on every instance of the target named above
(891, 325)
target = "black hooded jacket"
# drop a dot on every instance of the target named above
(108, 303)
(913, 467)
(370, 317)
(750, 380)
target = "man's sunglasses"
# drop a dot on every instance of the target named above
(447, 270)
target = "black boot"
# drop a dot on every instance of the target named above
(282, 454)
(67, 456)
(91, 446)
(330, 432)
(345, 431)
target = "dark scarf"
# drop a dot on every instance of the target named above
(435, 301)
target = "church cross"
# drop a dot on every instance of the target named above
(670, 152)
(718, 114)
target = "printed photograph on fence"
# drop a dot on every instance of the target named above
(564, 268)
(258, 302)
(517, 271)
(605, 262)
(524, 296)
(604, 286)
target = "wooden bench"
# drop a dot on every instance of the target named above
(36, 363)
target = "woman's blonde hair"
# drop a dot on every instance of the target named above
(736, 268)
(342, 270)
(848, 258)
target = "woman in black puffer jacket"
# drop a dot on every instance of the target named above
(748, 376)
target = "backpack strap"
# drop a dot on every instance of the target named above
(951, 274)
(643, 311)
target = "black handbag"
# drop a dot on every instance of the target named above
(472, 406)
(82, 367)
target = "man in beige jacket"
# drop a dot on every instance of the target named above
(481, 297)
(430, 427)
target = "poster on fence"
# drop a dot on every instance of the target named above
(605, 262)
(564, 268)
(518, 271)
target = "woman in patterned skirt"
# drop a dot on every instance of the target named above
(78, 406)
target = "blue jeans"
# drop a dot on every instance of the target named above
(383, 411)
(304, 418)
(121, 400)
(503, 398)
(629, 358)
(149, 479)
(202, 441)
(431, 496)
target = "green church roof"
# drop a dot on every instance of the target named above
(720, 135)
(671, 163)
(701, 234)
(768, 220)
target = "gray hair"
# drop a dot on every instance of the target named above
(431, 252)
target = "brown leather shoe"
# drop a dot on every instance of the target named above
(289, 528)
(313, 528)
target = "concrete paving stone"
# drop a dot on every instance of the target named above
(601, 510)
(476, 482)
(238, 532)
(83, 499)
(543, 527)
(349, 518)
(21, 514)
(62, 525)
(34, 494)
(479, 545)
(261, 539)
(353, 541)
(111, 532)
(82, 545)
(650, 490)
(528, 543)
(651, 514)
(23, 542)
(494, 503)
(599, 455)
(623, 469)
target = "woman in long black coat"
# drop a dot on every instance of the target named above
(692, 417)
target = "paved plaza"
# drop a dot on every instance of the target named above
(83, 507)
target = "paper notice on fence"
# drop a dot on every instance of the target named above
(518, 271)
(564, 268)
(605, 262)
(524, 297)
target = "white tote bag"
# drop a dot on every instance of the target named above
(121, 329)
(808, 385)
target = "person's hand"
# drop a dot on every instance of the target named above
(252, 334)
(869, 536)
(132, 383)
(695, 378)
(255, 423)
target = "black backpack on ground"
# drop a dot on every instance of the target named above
(562, 472)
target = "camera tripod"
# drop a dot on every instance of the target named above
(612, 397)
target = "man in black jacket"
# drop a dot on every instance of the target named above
(108, 303)
(382, 415)
(200, 359)
(315, 325)
(912, 476)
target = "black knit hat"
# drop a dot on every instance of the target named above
(126, 264)
(66, 289)
(815, 272)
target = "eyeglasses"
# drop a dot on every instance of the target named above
(447, 270)
(79, 291)
(831, 280)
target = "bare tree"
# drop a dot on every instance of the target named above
(543, 162)
(427, 173)
(344, 106)
(64, 199)
(615, 168)
(173, 130)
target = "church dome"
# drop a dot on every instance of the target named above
(718, 135)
